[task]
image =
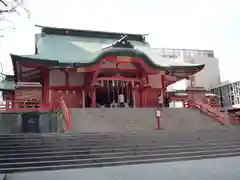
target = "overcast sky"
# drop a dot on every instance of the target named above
(200, 24)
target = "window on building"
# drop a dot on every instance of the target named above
(210, 54)
(238, 100)
(178, 54)
(232, 100)
(237, 90)
(203, 54)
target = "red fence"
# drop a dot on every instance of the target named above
(215, 113)
(234, 119)
(10, 105)
(211, 111)
(66, 114)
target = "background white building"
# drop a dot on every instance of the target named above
(208, 78)
(228, 94)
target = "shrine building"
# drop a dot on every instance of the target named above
(91, 69)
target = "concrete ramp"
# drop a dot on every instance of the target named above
(140, 119)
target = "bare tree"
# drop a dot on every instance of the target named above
(9, 8)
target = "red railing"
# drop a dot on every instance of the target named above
(234, 119)
(10, 105)
(214, 104)
(210, 111)
(215, 112)
(66, 114)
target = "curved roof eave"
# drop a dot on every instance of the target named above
(105, 53)
(35, 58)
(131, 53)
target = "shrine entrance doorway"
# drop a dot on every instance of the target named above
(116, 88)
(109, 92)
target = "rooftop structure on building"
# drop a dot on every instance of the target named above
(178, 53)
(207, 78)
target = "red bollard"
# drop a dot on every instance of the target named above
(158, 118)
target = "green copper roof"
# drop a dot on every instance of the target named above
(64, 50)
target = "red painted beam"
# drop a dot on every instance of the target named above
(67, 87)
(119, 78)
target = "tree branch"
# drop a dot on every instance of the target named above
(3, 3)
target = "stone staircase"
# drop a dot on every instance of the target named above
(140, 119)
(37, 152)
(116, 120)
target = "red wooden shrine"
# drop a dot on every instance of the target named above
(89, 69)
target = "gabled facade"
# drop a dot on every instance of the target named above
(90, 68)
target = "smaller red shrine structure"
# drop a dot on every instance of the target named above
(90, 69)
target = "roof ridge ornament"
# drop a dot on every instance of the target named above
(121, 43)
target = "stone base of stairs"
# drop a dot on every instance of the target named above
(140, 119)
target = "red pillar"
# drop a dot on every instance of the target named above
(145, 98)
(142, 98)
(93, 97)
(163, 89)
(83, 98)
(46, 88)
(143, 94)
